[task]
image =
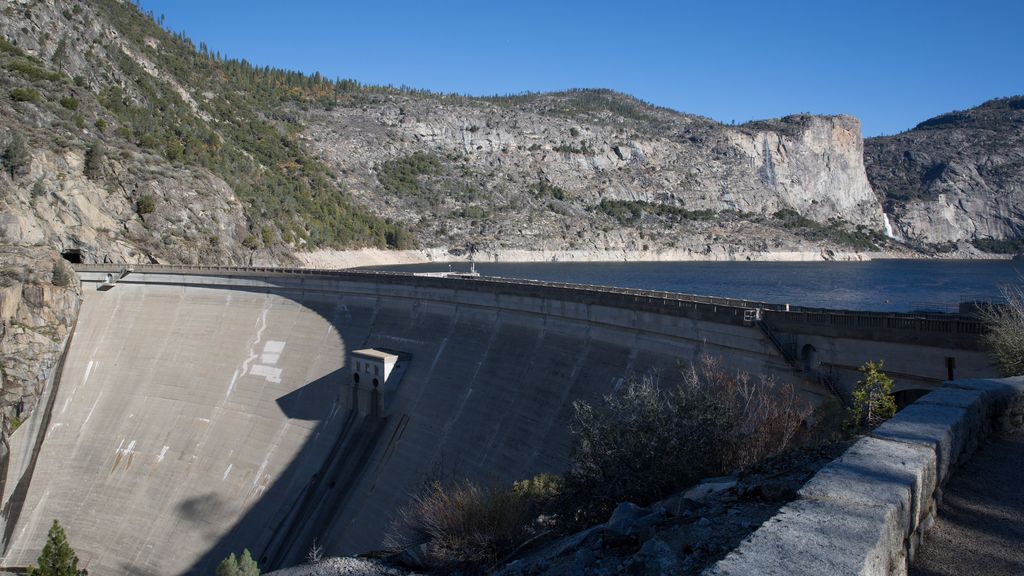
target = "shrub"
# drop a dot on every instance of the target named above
(1006, 331)
(243, 566)
(30, 70)
(628, 212)
(647, 442)
(401, 175)
(146, 204)
(57, 557)
(24, 95)
(69, 103)
(252, 242)
(60, 274)
(465, 524)
(872, 401)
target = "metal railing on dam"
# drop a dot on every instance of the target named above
(880, 325)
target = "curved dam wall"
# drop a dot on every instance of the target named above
(203, 411)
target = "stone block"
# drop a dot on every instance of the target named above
(940, 428)
(974, 402)
(1004, 399)
(880, 472)
(815, 537)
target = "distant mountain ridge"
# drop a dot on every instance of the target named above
(957, 177)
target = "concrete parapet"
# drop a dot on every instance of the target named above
(865, 512)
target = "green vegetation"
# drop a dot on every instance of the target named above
(583, 148)
(25, 95)
(251, 140)
(242, 566)
(872, 401)
(57, 557)
(465, 525)
(858, 237)
(146, 204)
(999, 246)
(59, 274)
(69, 103)
(95, 158)
(643, 443)
(30, 69)
(1005, 335)
(648, 441)
(629, 212)
(401, 176)
(543, 189)
(16, 156)
(599, 105)
(472, 213)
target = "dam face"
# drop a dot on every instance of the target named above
(201, 413)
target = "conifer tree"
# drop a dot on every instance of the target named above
(235, 566)
(16, 156)
(873, 401)
(95, 155)
(57, 557)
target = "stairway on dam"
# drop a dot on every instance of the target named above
(200, 414)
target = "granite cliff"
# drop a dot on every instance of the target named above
(956, 178)
(600, 171)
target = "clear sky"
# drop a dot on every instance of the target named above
(891, 63)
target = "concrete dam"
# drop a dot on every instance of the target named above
(198, 411)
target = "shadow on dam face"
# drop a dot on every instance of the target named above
(199, 417)
(187, 424)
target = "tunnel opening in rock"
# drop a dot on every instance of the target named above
(73, 255)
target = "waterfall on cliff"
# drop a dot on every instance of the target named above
(888, 226)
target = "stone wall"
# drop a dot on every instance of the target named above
(866, 512)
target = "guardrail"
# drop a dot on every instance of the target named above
(666, 302)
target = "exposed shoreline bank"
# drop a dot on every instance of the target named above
(339, 259)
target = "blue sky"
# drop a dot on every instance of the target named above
(892, 64)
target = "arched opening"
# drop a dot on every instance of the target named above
(809, 355)
(73, 255)
(355, 377)
(375, 383)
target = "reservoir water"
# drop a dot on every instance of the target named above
(879, 285)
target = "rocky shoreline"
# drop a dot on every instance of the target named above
(339, 259)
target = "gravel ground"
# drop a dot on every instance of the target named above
(980, 525)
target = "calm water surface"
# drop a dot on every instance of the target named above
(881, 285)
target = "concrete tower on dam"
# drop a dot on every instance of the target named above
(200, 411)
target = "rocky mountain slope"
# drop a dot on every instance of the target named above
(600, 171)
(958, 177)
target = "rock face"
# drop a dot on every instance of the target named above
(39, 299)
(958, 177)
(82, 185)
(532, 172)
(194, 216)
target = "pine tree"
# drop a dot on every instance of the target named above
(16, 156)
(228, 566)
(873, 401)
(234, 566)
(247, 566)
(57, 557)
(95, 155)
